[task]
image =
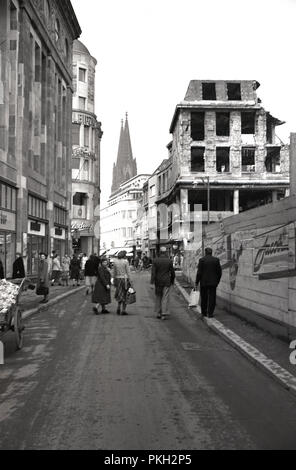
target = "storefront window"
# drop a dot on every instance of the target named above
(7, 252)
(35, 246)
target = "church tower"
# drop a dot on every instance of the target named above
(126, 166)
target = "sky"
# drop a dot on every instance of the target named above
(148, 51)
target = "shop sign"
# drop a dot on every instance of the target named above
(36, 228)
(7, 221)
(79, 118)
(60, 233)
(80, 226)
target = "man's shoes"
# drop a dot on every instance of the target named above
(95, 310)
(118, 311)
(163, 316)
(105, 311)
(123, 313)
(210, 316)
(159, 316)
(43, 301)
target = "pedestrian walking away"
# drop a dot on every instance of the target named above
(66, 260)
(91, 271)
(42, 287)
(56, 270)
(208, 274)
(102, 290)
(75, 270)
(18, 268)
(162, 277)
(122, 281)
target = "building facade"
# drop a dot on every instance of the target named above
(35, 128)
(86, 138)
(118, 218)
(225, 155)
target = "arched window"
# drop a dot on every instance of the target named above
(57, 29)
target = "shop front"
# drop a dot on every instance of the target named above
(7, 241)
(37, 242)
(83, 238)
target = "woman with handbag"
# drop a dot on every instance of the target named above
(101, 294)
(42, 287)
(122, 281)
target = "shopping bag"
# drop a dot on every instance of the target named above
(131, 296)
(194, 298)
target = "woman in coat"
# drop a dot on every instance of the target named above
(75, 267)
(43, 278)
(101, 294)
(122, 281)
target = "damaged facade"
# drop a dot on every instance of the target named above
(35, 127)
(224, 153)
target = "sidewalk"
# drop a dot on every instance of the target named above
(30, 302)
(264, 350)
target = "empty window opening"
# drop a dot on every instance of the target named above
(234, 91)
(79, 199)
(220, 200)
(248, 123)
(269, 131)
(198, 126)
(209, 91)
(222, 159)
(197, 159)
(82, 102)
(273, 160)
(223, 124)
(248, 159)
(82, 75)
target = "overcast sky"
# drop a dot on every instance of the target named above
(148, 51)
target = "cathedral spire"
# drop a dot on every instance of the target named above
(126, 166)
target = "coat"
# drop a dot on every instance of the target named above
(91, 268)
(18, 269)
(42, 275)
(163, 273)
(209, 271)
(74, 268)
(102, 295)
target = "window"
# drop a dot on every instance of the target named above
(124, 232)
(82, 102)
(60, 216)
(198, 126)
(197, 159)
(13, 17)
(86, 136)
(36, 207)
(37, 63)
(152, 190)
(82, 75)
(7, 197)
(234, 91)
(248, 159)
(273, 160)
(57, 29)
(209, 91)
(66, 49)
(130, 232)
(222, 124)
(248, 122)
(75, 134)
(75, 163)
(222, 159)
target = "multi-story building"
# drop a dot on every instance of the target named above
(35, 128)
(118, 218)
(225, 155)
(86, 138)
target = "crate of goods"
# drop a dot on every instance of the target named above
(8, 297)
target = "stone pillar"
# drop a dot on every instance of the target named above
(236, 201)
(274, 196)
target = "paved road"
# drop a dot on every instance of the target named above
(108, 382)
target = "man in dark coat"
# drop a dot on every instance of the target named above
(208, 274)
(18, 269)
(162, 276)
(101, 294)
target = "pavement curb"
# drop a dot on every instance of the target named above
(274, 370)
(28, 313)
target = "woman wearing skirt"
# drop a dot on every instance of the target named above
(101, 294)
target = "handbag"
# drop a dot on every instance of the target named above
(131, 296)
(41, 290)
(194, 298)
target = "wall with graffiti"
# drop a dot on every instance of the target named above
(257, 255)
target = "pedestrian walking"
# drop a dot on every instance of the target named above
(162, 277)
(42, 287)
(1, 270)
(91, 271)
(122, 281)
(56, 270)
(75, 267)
(66, 260)
(83, 260)
(208, 274)
(102, 290)
(18, 268)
